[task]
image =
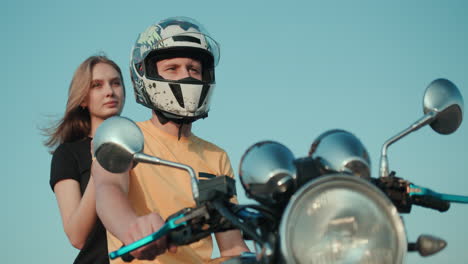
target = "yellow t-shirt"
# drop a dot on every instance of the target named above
(166, 190)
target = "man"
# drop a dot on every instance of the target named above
(172, 70)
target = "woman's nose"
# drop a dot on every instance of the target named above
(109, 90)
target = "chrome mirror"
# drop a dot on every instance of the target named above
(443, 98)
(443, 110)
(116, 142)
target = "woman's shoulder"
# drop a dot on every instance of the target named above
(77, 146)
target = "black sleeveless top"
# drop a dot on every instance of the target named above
(73, 161)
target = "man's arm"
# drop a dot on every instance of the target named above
(231, 243)
(118, 216)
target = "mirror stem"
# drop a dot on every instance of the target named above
(141, 157)
(426, 119)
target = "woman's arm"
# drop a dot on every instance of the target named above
(78, 212)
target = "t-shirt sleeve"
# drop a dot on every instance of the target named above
(226, 169)
(225, 165)
(63, 166)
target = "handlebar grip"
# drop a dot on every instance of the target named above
(431, 202)
(127, 257)
(164, 230)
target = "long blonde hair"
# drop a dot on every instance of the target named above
(76, 122)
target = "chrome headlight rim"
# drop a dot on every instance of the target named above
(342, 180)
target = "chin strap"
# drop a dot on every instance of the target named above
(164, 119)
(180, 130)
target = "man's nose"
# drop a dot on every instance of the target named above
(185, 73)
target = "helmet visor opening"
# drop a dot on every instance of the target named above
(204, 57)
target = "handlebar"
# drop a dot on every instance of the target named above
(164, 230)
(192, 224)
(404, 194)
(418, 190)
(431, 202)
(224, 211)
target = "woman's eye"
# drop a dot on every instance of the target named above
(95, 84)
(116, 83)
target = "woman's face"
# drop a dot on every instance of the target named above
(106, 94)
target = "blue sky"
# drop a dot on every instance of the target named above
(289, 70)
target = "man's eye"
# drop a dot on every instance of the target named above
(116, 83)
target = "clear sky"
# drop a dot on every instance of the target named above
(289, 71)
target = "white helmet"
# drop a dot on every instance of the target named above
(181, 101)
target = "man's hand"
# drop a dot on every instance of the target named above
(142, 227)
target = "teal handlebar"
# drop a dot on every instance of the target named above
(164, 230)
(418, 190)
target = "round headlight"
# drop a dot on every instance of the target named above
(341, 219)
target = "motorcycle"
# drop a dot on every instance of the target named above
(322, 208)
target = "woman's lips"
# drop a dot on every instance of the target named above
(111, 104)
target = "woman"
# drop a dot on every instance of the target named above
(96, 92)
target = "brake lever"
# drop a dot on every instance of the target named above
(415, 190)
(164, 230)
(172, 224)
(192, 214)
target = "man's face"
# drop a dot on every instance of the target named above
(179, 68)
